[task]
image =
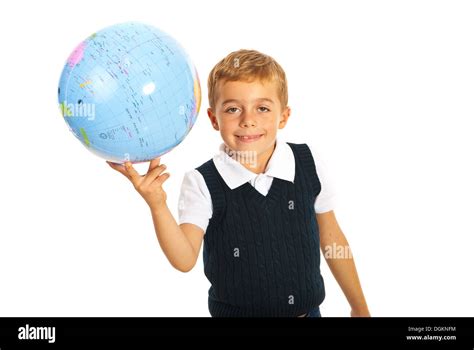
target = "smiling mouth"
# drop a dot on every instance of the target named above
(249, 138)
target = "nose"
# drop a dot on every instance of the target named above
(247, 120)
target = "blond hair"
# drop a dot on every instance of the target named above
(247, 65)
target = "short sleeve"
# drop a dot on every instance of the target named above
(195, 203)
(326, 199)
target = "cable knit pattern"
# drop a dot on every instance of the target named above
(261, 253)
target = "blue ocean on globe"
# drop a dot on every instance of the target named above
(129, 92)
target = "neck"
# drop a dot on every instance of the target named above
(259, 165)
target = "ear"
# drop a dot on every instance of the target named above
(284, 117)
(212, 118)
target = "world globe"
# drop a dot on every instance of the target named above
(129, 92)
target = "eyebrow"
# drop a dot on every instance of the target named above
(266, 99)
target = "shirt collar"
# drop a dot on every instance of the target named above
(280, 165)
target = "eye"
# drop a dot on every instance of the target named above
(232, 110)
(263, 109)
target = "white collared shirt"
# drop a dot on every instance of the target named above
(195, 203)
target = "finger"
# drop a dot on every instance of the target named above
(154, 163)
(118, 167)
(153, 174)
(162, 178)
(132, 173)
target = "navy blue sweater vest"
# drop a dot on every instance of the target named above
(261, 253)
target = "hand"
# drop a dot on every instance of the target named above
(149, 185)
(360, 313)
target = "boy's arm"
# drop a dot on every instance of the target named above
(181, 244)
(333, 245)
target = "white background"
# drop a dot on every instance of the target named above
(383, 89)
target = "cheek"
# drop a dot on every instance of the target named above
(227, 127)
(229, 123)
(271, 123)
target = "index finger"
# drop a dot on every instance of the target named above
(118, 167)
(154, 163)
(134, 175)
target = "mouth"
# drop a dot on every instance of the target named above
(249, 138)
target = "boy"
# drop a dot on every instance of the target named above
(255, 204)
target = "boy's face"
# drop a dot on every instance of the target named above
(248, 115)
